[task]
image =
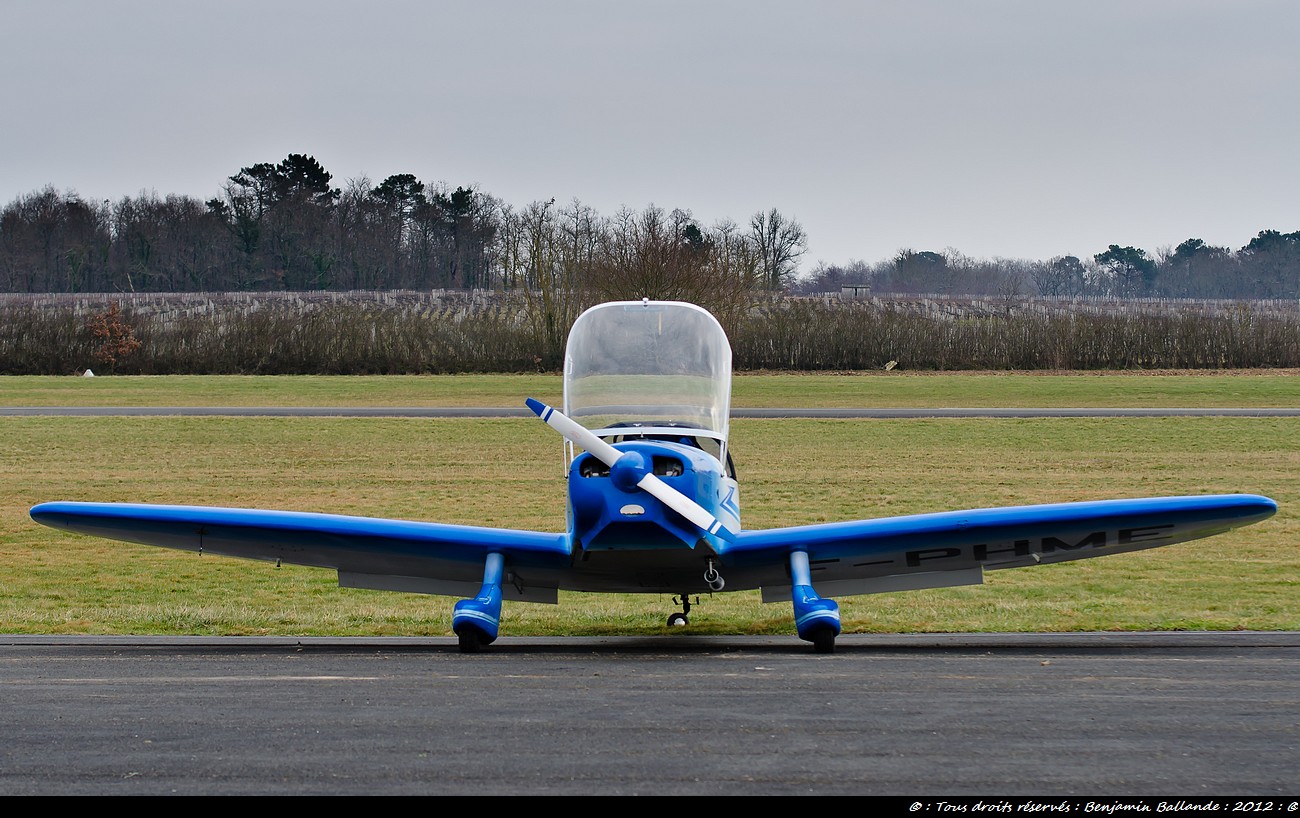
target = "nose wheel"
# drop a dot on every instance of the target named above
(678, 618)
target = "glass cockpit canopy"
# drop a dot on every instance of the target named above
(659, 366)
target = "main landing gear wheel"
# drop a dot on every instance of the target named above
(677, 618)
(823, 640)
(471, 640)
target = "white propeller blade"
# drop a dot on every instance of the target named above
(684, 506)
(575, 432)
(651, 484)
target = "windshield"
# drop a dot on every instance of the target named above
(649, 364)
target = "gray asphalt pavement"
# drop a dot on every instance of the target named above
(1089, 716)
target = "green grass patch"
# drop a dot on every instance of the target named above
(278, 390)
(1211, 388)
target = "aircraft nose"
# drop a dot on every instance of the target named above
(628, 471)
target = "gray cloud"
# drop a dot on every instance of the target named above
(1011, 128)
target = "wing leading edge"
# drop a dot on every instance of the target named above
(367, 552)
(955, 547)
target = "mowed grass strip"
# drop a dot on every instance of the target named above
(278, 390)
(509, 473)
(1210, 389)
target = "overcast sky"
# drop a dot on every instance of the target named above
(1004, 128)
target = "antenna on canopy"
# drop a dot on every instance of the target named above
(645, 302)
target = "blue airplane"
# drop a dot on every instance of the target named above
(653, 508)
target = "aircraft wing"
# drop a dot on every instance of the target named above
(367, 552)
(956, 547)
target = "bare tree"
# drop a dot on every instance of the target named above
(661, 255)
(169, 245)
(553, 289)
(780, 243)
(1061, 276)
(54, 242)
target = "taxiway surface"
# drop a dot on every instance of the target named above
(1090, 714)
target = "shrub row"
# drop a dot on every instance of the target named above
(452, 332)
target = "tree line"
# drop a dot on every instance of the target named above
(284, 226)
(1267, 267)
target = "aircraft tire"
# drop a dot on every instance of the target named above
(471, 640)
(823, 640)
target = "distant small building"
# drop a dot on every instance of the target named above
(855, 290)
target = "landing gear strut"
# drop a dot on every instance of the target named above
(476, 621)
(816, 619)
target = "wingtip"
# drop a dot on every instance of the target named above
(537, 406)
(42, 511)
(1266, 506)
(49, 513)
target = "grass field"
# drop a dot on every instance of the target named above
(509, 473)
(1270, 388)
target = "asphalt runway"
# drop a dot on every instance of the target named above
(1091, 716)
